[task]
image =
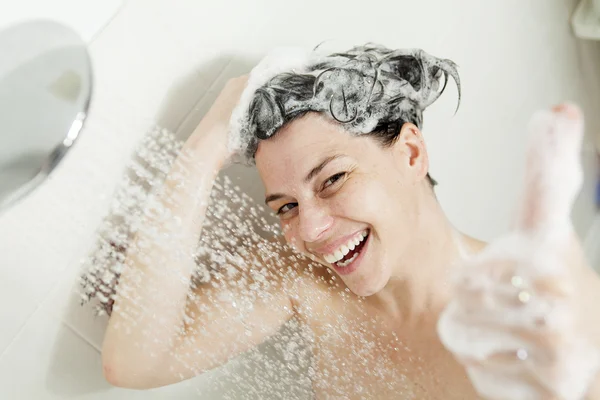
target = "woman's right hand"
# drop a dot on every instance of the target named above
(214, 127)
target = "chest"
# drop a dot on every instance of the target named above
(362, 354)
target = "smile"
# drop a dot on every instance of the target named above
(347, 253)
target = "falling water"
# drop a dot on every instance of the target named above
(236, 237)
(235, 227)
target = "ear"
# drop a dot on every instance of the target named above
(411, 151)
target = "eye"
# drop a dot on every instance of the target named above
(333, 179)
(286, 207)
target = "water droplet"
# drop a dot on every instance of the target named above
(524, 296)
(517, 281)
(522, 354)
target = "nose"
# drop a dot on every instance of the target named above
(314, 221)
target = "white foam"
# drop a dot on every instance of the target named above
(359, 89)
(490, 316)
(283, 59)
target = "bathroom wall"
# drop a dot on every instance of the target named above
(86, 18)
(160, 62)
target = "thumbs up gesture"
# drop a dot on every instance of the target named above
(522, 320)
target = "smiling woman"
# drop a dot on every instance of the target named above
(346, 119)
(356, 186)
(338, 145)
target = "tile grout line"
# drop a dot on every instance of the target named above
(31, 315)
(203, 97)
(63, 275)
(80, 335)
(107, 23)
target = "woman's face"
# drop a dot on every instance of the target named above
(343, 198)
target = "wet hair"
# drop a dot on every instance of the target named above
(369, 90)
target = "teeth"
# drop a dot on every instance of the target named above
(345, 263)
(345, 249)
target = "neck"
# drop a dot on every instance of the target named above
(420, 285)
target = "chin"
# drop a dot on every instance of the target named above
(370, 286)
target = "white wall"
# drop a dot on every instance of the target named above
(87, 18)
(157, 60)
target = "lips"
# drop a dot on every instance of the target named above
(337, 251)
(352, 261)
(352, 254)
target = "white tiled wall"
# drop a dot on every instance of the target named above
(157, 60)
(87, 18)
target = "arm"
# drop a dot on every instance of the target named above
(155, 335)
(523, 320)
(590, 286)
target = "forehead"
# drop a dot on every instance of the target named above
(298, 147)
(302, 141)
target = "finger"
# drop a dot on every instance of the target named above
(510, 269)
(507, 381)
(553, 173)
(537, 332)
(498, 275)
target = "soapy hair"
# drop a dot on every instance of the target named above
(368, 90)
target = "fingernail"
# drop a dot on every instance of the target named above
(569, 110)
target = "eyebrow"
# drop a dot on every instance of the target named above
(315, 171)
(309, 177)
(273, 197)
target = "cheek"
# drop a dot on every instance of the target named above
(291, 237)
(362, 198)
(288, 233)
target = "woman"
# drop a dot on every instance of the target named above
(338, 146)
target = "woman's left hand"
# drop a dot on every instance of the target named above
(523, 319)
